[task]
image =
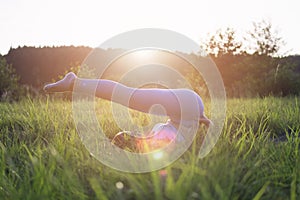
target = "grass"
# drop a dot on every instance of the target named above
(256, 157)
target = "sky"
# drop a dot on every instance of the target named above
(91, 22)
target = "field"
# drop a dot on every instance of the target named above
(256, 157)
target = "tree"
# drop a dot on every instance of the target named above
(223, 42)
(9, 81)
(265, 39)
(226, 51)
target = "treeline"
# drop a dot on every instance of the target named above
(244, 75)
(252, 75)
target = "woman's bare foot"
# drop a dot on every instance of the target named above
(64, 85)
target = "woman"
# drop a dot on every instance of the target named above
(182, 106)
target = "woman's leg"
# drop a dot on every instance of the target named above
(178, 104)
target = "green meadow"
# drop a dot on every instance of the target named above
(256, 156)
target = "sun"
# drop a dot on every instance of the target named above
(143, 54)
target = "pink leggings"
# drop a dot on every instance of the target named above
(178, 104)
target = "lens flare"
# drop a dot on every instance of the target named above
(136, 45)
(158, 155)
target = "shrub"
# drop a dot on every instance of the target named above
(9, 88)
